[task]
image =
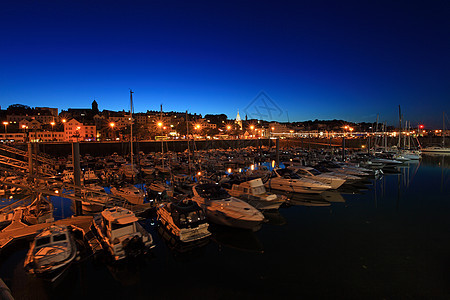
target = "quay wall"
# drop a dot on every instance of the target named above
(57, 149)
(123, 148)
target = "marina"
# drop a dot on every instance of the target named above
(378, 235)
(224, 150)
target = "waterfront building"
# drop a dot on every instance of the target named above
(75, 130)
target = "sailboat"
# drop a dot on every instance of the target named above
(441, 149)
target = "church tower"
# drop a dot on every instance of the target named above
(94, 107)
(238, 120)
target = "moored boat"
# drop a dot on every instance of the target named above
(287, 180)
(185, 220)
(223, 209)
(121, 234)
(131, 193)
(51, 252)
(254, 193)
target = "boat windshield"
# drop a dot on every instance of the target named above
(115, 226)
(59, 237)
(288, 174)
(259, 190)
(190, 218)
(315, 172)
(212, 192)
(43, 241)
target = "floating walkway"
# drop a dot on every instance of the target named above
(18, 231)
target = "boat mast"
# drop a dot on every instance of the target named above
(399, 126)
(443, 129)
(189, 148)
(131, 134)
(162, 140)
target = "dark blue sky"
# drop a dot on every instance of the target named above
(345, 60)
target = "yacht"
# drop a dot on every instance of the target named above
(131, 193)
(436, 149)
(309, 172)
(51, 252)
(185, 220)
(254, 193)
(120, 233)
(348, 177)
(339, 168)
(287, 180)
(129, 171)
(223, 209)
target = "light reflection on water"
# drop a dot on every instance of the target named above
(390, 241)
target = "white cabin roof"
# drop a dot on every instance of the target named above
(119, 215)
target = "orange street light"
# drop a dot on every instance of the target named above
(112, 124)
(6, 124)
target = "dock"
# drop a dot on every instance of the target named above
(19, 231)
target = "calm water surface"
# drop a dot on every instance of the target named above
(389, 241)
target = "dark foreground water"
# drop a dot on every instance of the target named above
(390, 241)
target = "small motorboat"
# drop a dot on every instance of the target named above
(121, 234)
(51, 252)
(185, 220)
(287, 180)
(222, 209)
(131, 193)
(254, 193)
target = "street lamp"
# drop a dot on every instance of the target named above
(112, 124)
(53, 124)
(6, 124)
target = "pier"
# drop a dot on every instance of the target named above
(18, 230)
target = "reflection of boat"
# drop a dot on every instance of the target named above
(128, 274)
(307, 200)
(332, 196)
(121, 234)
(39, 211)
(131, 193)
(51, 252)
(274, 217)
(236, 238)
(223, 209)
(254, 193)
(287, 180)
(185, 220)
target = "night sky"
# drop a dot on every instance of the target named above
(273, 60)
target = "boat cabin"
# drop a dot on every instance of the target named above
(118, 222)
(186, 214)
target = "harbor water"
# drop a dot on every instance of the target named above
(388, 240)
